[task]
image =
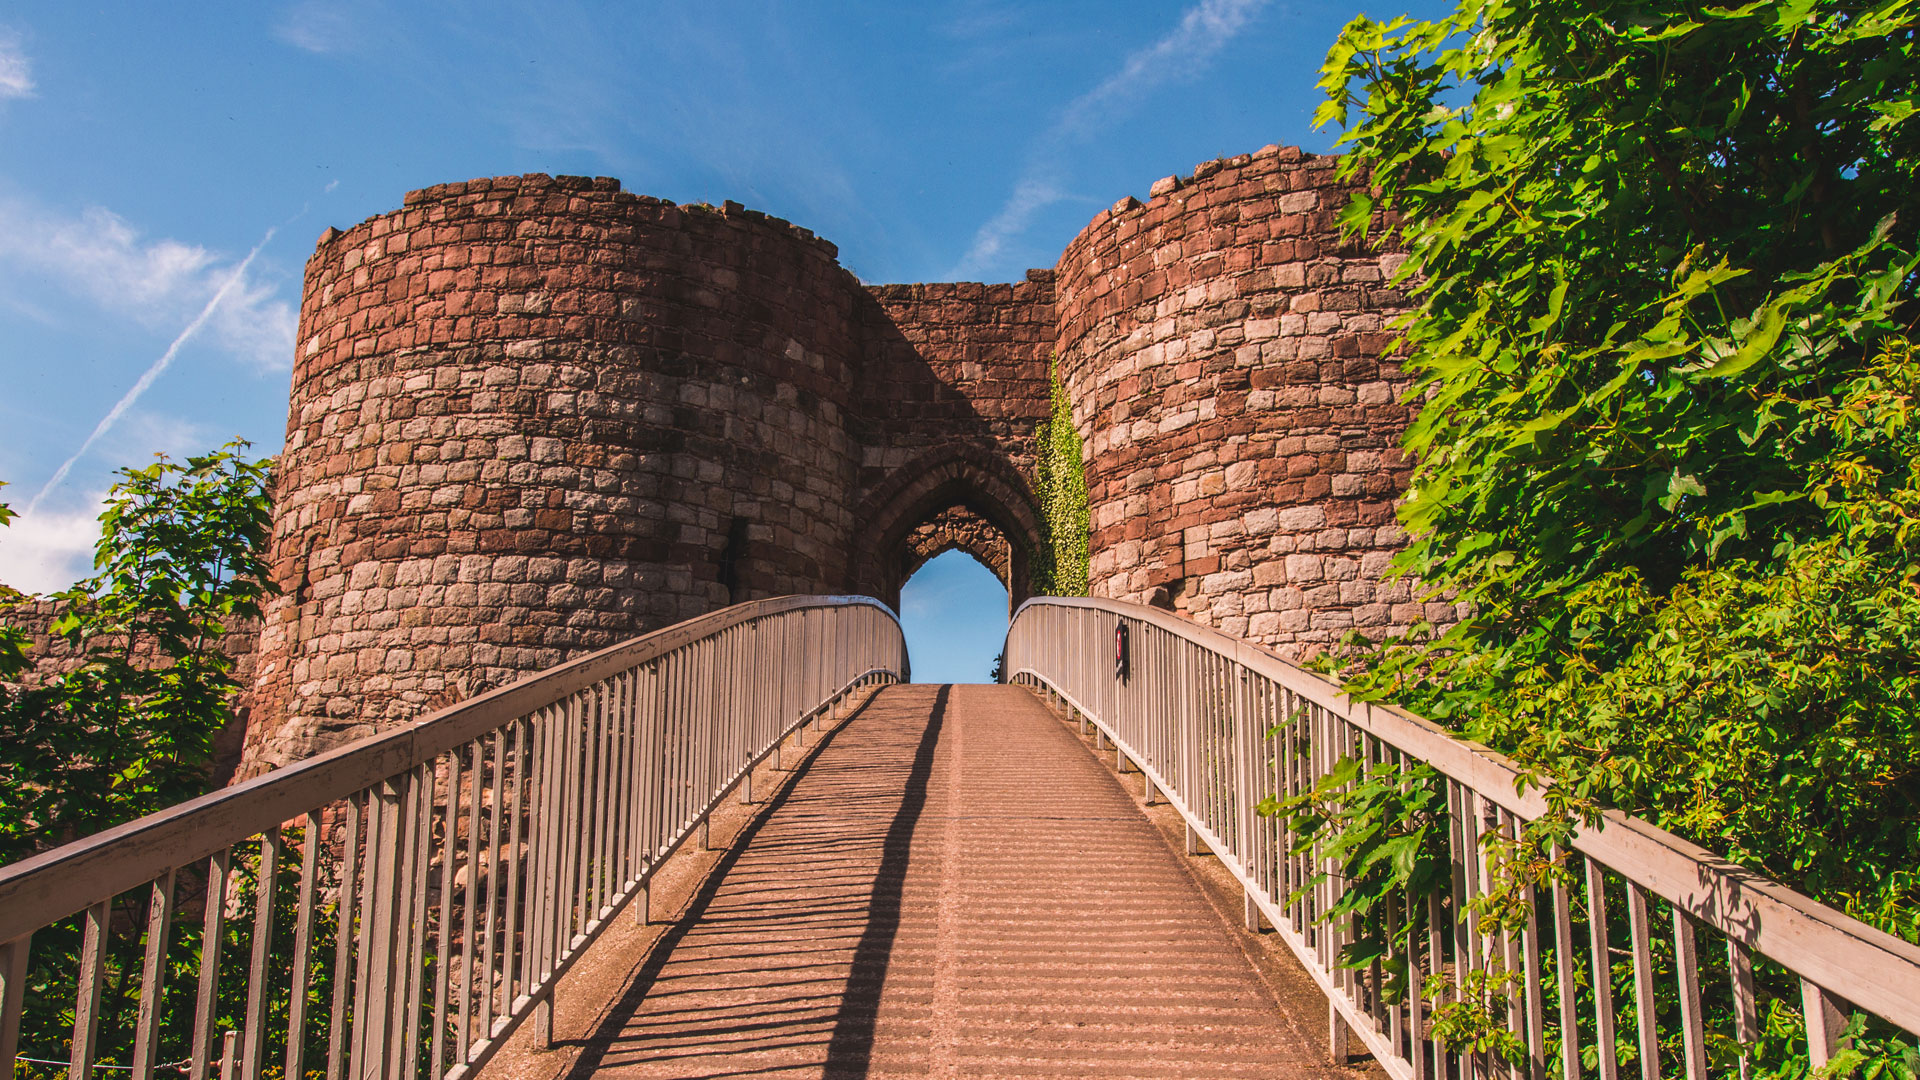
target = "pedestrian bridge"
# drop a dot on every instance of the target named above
(745, 846)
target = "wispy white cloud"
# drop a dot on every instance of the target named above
(102, 257)
(1182, 53)
(16, 71)
(1033, 193)
(48, 550)
(153, 372)
(319, 26)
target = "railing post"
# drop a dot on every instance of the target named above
(212, 932)
(1826, 1017)
(92, 973)
(255, 1020)
(13, 987)
(227, 1054)
(1245, 741)
(543, 1021)
(1339, 1042)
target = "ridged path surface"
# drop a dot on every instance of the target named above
(951, 887)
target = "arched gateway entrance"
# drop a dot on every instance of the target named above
(969, 500)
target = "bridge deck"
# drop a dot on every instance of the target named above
(952, 886)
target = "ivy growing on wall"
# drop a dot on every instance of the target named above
(1060, 482)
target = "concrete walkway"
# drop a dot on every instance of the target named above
(952, 886)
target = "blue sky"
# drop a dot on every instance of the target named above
(165, 168)
(953, 612)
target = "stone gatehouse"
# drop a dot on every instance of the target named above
(533, 415)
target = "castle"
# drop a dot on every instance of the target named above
(532, 416)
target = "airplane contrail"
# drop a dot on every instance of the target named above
(152, 373)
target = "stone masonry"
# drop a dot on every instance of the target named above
(1224, 352)
(532, 416)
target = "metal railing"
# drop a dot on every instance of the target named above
(1217, 725)
(448, 872)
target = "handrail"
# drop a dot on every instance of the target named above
(1217, 724)
(461, 863)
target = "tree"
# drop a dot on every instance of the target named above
(1662, 257)
(130, 731)
(1644, 220)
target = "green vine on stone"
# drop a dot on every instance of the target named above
(1060, 482)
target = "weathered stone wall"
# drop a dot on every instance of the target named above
(52, 657)
(953, 383)
(532, 417)
(958, 528)
(1223, 350)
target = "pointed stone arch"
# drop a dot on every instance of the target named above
(966, 498)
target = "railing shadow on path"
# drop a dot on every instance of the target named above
(787, 1014)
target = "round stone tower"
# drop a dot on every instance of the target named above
(532, 417)
(1224, 353)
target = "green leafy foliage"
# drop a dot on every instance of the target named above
(130, 731)
(1782, 1045)
(1662, 259)
(1473, 1016)
(1644, 217)
(1060, 482)
(1383, 828)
